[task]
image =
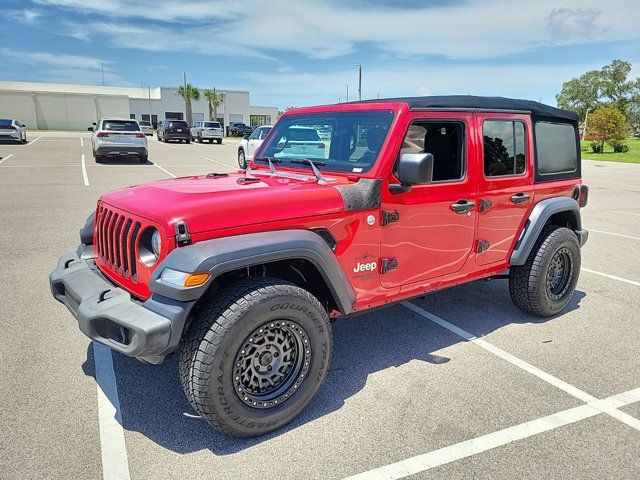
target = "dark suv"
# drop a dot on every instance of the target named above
(239, 130)
(174, 130)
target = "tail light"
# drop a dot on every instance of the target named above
(584, 196)
(102, 134)
(140, 135)
(320, 145)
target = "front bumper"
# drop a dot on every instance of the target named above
(121, 150)
(108, 315)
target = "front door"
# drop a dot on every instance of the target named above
(430, 229)
(255, 140)
(505, 185)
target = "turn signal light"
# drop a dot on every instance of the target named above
(196, 279)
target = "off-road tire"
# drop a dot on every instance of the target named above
(528, 283)
(242, 159)
(220, 327)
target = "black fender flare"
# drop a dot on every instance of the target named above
(538, 218)
(221, 255)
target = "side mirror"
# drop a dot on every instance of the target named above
(24, 126)
(413, 169)
(246, 137)
(90, 129)
(94, 124)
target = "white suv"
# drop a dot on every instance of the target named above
(117, 138)
(250, 143)
(211, 131)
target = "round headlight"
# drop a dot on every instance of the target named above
(156, 242)
(149, 246)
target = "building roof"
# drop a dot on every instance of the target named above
(471, 102)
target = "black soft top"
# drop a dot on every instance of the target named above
(471, 102)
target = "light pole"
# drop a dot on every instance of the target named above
(184, 74)
(347, 85)
(149, 92)
(359, 65)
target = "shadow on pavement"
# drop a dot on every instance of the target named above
(154, 405)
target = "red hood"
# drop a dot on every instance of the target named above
(215, 203)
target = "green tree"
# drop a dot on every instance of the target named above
(607, 125)
(608, 86)
(214, 99)
(189, 92)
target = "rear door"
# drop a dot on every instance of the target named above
(505, 184)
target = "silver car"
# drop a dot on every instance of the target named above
(12, 131)
(211, 131)
(146, 127)
(118, 138)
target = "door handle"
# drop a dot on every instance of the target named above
(519, 198)
(462, 206)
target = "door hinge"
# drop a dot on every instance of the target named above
(388, 264)
(390, 217)
(482, 246)
(485, 205)
(183, 237)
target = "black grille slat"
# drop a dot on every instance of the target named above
(117, 236)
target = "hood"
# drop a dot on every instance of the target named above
(212, 203)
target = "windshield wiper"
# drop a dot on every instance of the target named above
(269, 160)
(306, 161)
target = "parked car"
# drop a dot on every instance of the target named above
(250, 144)
(118, 138)
(12, 131)
(211, 131)
(241, 272)
(238, 130)
(301, 142)
(146, 127)
(169, 130)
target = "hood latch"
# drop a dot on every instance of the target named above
(183, 237)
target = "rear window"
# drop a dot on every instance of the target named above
(145, 124)
(304, 135)
(121, 125)
(5, 123)
(211, 125)
(556, 148)
(178, 123)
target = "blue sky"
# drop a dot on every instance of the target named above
(297, 52)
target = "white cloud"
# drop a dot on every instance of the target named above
(53, 59)
(26, 16)
(326, 29)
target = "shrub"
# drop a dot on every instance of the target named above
(607, 125)
(597, 147)
(619, 147)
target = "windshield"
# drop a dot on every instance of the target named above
(337, 141)
(211, 125)
(121, 125)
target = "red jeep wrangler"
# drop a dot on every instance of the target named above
(240, 273)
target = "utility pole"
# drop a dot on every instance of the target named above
(149, 91)
(184, 73)
(347, 85)
(102, 68)
(359, 65)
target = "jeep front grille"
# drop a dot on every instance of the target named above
(116, 237)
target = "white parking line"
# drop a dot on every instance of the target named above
(458, 451)
(81, 142)
(626, 213)
(85, 177)
(612, 277)
(4, 159)
(165, 170)
(614, 234)
(34, 140)
(115, 464)
(216, 161)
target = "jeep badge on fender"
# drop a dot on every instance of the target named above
(341, 208)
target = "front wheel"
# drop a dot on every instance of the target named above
(255, 354)
(544, 285)
(242, 160)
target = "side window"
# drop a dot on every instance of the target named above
(263, 132)
(556, 147)
(445, 141)
(504, 144)
(255, 135)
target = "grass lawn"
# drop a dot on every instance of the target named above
(632, 156)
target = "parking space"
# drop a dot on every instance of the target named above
(457, 384)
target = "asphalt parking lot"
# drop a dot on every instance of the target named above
(458, 384)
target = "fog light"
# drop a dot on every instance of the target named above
(182, 279)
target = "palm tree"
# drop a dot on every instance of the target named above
(189, 92)
(214, 99)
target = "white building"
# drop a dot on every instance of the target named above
(53, 106)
